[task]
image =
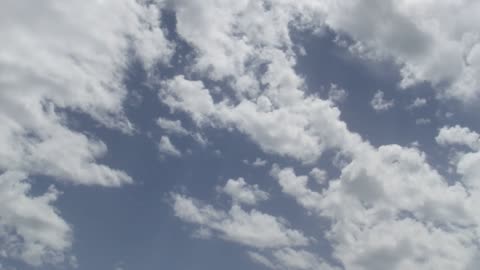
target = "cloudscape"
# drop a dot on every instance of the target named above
(239, 134)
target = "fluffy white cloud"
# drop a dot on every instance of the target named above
(171, 126)
(383, 195)
(234, 38)
(241, 192)
(166, 147)
(319, 175)
(457, 135)
(379, 103)
(252, 229)
(466, 163)
(337, 94)
(52, 62)
(30, 227)
(417, 103)
(258, 162)
(289, 258)
(421, 36)
(302, 129)
(60, 57)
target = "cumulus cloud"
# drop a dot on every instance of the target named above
(417, 103)
(59, 58)
(383, 195)
(466, 162)
(319, 175)
(58, 64)
(457, 135)
(167, 148)
(252, 229)
(303, 129)
(379, 103)
(30, 227)
(420, 36)
(258, 162)
(241, 192)
(171, 126)
(337, 94)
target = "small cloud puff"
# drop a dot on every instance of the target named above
(379, 103)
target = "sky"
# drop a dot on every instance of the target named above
(239, 134)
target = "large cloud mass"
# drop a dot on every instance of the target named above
(60, 57)
(387, 206)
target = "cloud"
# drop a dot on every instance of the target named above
(466, 162)
(382, 195)
(60, 59)
(165, 147)
(319, 175)
(59, 65)
(380, 192)
(171, 126)
(241, 192)
(252, 229)
(379, 103)
(418, 35)
(422, 121)
(260, 259)
(290, 258)
(309, 125)
(417, 103)
(30, 227)
(258, 162)
(337, 94)
(457, 135)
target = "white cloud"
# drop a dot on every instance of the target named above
(417, 103)
(466, 163)
(379, 103)
(289, 258)
(421, 36)
(258, 162)
(59, 57)
(252, 229)
(172, 126)
(423, 121)
(337, 94)
(260, 259)
(457, 135)
(319, 175)
(241, 192)
(302, 129)
(383, 195)
(166, 147)
(51, 61)
(30, 227)
(385, 189)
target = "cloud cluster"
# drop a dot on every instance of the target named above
(421, 36)
(268, 239)
(383, 195)
(379, 103)
(60, 58)
(250, 228)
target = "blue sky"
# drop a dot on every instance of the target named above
(239, 135)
